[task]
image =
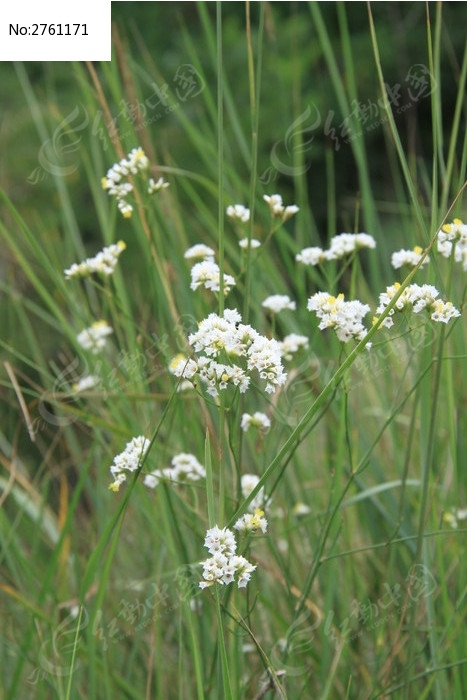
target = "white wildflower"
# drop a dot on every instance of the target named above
(250, 522)
(346, 243)
(103, 263)
(238, 211)
(135, 162)
(248, 483)
(301, 509)
(225, 338)
(454, 234)
(207, 273)
(292, 344)
(277, 208)
(254, 243)
(257, 420)
(199, 252)
(95, 337)
(185, 468)
(181, 366)
(88, 382)
(311, 256)
(129, 460)
(220, 541)
(408, 257)
(344, 316)
(224, 566)
(416, 298)
(153, 186)
(278, 302)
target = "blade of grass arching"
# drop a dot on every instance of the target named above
(395, 135)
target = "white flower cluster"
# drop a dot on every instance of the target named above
(278, 302)
(408, 257)
(292, 344)
(344, 316)
(224, 566)
(254, 243)
(223, 341)
(199, 252)
(154, 186)
(185, 467)
(94, 338)
(238, 211)
(113, 182)
(416, 298)
(88, 382)
(454, 234)
(340, 246)
(311, 256)
(257, 420)
(103, 263)
(206, 272)
(128, 461)
(251, 522)
(277, 208)
(452, 516)
(248, 483)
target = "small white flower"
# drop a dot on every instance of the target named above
(257, 420)
(408, 257)
(292, 344)
(250, 522)
(199, 252)
(207, 273)
(346, 243)
(344, 316)
(311, 256)
(218, 337)
(85, 383)
(248, 483)
(181, 366)
(278, 302)
(416, 298)
(238, 211)
(135, 161)
(451, 236)
(103, 263)
(128, 460)
(277, 208)
(254, 243)
(95, 337)
(220, 541)
(153, 186)
(301, 509)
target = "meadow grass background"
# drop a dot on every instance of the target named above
(363, 596)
